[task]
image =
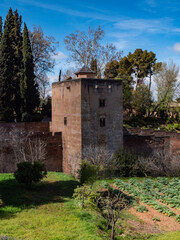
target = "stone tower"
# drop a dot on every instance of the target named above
(88, 111)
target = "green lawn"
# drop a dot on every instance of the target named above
(48, 212)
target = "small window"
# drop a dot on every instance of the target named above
(65, 121)
(101, 102)
(102, 122)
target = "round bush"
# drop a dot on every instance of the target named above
(28, 172)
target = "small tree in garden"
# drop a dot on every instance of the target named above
(110, 206)
(28, 172)
(109, 203)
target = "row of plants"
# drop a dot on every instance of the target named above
(163, 190)
(146, 193)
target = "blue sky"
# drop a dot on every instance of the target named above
(152, 25)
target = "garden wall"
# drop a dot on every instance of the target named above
(140, 141)
(145, 141)
(40, 130)
(27, 126)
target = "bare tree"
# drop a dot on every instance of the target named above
(85, 47)
(44, 50)
(106, 54)
(97, 155)
(167, 84)
(3, 140)
(160, 163)
(26, 148)
(69, 73)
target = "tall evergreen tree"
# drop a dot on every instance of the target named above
(6, 72)
(94, 65)
(0, 28)
(28, 86)
(16, 42)
(12, 29)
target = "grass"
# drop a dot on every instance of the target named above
(46, 212)
(167, 236)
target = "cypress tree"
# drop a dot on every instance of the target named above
(6, 72)
(0, 28)
(12, 34)
(28, 86)
(16, 41)
(94, 65)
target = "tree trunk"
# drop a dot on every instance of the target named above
(112, 231)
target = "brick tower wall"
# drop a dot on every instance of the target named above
(111, 135)
(66, 103)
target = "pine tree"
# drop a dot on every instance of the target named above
(28, 86)
(6, 73)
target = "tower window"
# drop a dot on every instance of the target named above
(65, 121)
(101, 102)
(102, 122)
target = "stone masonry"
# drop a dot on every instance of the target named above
(87, 112)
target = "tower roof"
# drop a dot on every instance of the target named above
(85, 69)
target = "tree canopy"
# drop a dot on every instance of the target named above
(84, 47)
(16, 70)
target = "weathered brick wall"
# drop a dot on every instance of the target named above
(77, 101)
(111, 135)
(66, 103)
(145, 141)
(53, 160)
(27, 126)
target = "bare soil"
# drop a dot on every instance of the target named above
(147, 224)
(150, 226)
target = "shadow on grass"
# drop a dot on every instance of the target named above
(16, 198)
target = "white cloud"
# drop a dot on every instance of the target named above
(121, 44)
(151, 3)
(53, 78)
(177, 47)
(71, 11)
(147, 25)
(59, 56)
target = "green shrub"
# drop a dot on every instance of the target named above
(88, 172)
(1, 202)
(178, 218)
(156, 219)
(126, 164)
(85, 196)
(176, 126)
(28, 172)
(141, 209)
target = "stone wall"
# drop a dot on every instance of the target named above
(66, 118)
(27, 126)
(140, 141)
(145, 141)
(76, 112)
(53, 160)
(111, 134)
